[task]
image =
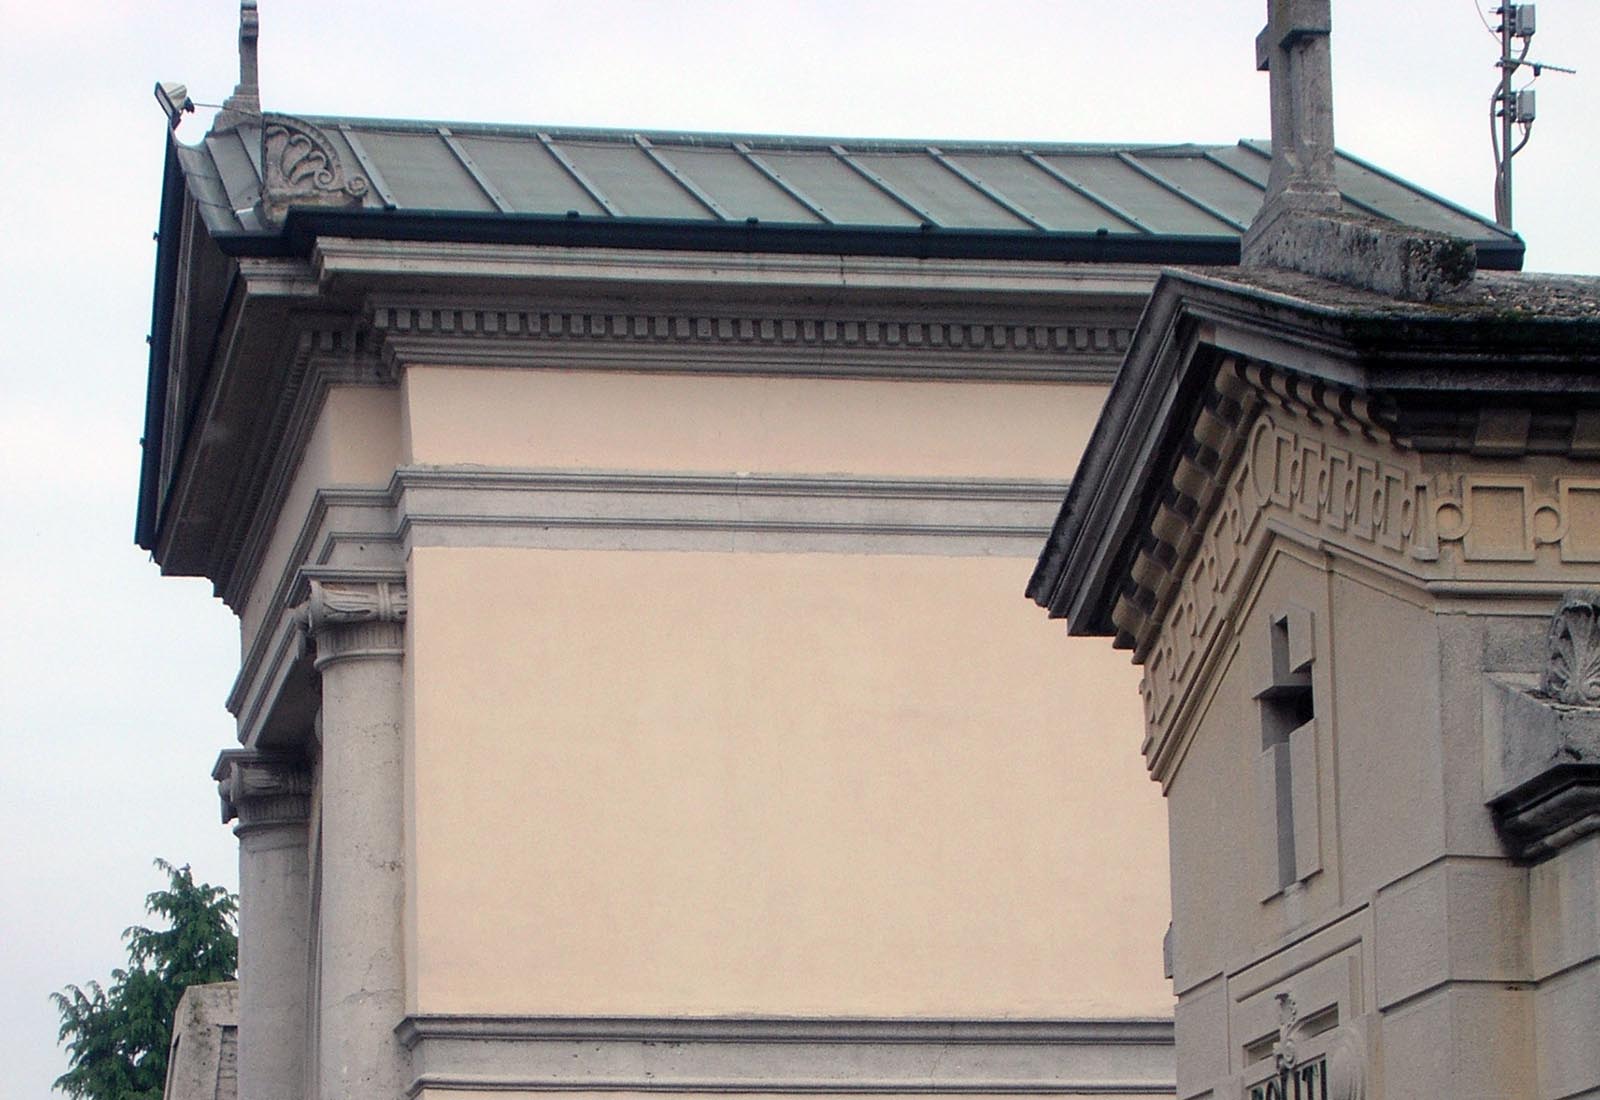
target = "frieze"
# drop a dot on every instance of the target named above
(1319, 463)
(1057, 346)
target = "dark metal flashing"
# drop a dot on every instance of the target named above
(169, 228)
(303, 226)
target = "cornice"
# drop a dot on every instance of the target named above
(790, 1029)
(430, 265)
(790, 1056)
(601, 509)
(321, 359)
(365, 309)
(905, 346)
(1452, 378)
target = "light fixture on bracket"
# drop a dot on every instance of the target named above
(174, 100)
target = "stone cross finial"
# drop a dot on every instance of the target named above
(244, 105)
(1293, 48)
(249, 31)
(1302, 225)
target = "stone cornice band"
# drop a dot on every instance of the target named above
(789, 1055)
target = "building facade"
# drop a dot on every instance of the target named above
(627, 534)
(1340, 506)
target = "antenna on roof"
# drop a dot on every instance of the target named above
(244, 105)
(1513, 108)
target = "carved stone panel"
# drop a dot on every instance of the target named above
(300, 167)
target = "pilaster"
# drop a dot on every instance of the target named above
(357, 625)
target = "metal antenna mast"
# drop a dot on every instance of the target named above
(1512, 108)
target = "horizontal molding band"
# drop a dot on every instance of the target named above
(439, 351)
(794, 1056)
(484, 1083)
(353, 533)
(449, 503)
(785, 1029)
(689, 523)
(464, 507)
(832, 485)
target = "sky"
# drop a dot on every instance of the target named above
(112, 678)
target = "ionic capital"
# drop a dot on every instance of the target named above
(350, 619)
(262, 789)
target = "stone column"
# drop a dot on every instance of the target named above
(270, 796)
(359, 631)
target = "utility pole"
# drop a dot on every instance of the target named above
(1507, 120)
(1510, 107)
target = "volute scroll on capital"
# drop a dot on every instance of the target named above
(348, 619)
(260, 789)
(344, 603)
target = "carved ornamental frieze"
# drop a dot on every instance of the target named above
(1315, 463)
(300, 167)
(919, 347)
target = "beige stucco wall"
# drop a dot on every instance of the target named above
(769, 783)
(1377, 752)
(790, 425)
(355, 441)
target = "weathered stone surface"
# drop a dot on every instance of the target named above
(1361, 251)
(202, 1063)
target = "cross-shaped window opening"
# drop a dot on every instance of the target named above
(1288, 766)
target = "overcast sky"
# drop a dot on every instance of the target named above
(112, 678)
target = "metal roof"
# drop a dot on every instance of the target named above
(1166, 203)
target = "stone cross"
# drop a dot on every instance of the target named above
(1293, 48)
(244, 105)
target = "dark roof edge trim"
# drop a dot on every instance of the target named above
(169, 228)
(303, 226)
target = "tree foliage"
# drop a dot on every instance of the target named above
(117, 1037)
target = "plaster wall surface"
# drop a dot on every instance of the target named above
(1385, 722)
(355, 442)
(832, 784)
(1223, 870)
(867, 428)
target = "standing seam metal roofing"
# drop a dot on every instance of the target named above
(1195, 195)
